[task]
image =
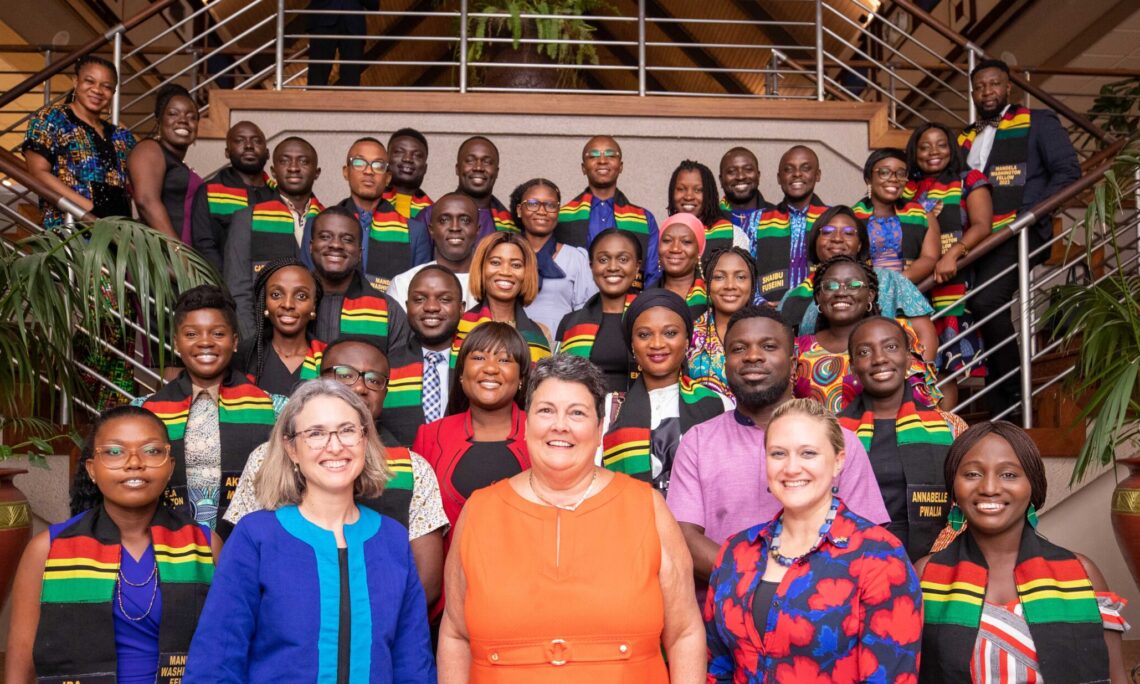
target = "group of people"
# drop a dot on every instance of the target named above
(388, 419)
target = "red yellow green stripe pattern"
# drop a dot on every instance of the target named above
(223, 200)
(367, 315)
(242, 405)
(183, 555)
(400, 464)
(627, 451)
(80, 570)
(388, 226)
(405, 386)
(311, 366)
(953, 595)
(503, 220)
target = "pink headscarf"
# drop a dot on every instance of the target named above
(694, 225)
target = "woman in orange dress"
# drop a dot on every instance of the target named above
(528, 597)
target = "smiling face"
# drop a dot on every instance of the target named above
(888, 177)
(490, 379)
(758, 362)
(134, 485)
(206, 343)
(689, 192)
(602, 171)
(363, 358)
(730, 284)
(991, 488)
(659, 344)
(333, 469)
(409, 158)
(295, 167)
(802, 463)
(365, 184)
(435, 304)
(541, 220)
(563, 429)
(845, 305)
(842, 241)
(503, 272)
(880, 358)
(739, 177)
(246, 148)
(290, 299)
(991, 92)
(335, 247)
(477, 167)
(94, 86)
(679, 250)
(798, 173)
(932, 153)
(178, 126)
(615, 265)
(454, 227)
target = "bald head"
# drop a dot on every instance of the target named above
(798, 174)
(246, 148)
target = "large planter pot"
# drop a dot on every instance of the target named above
(15, 528)
(1126, 516)
(520, 78)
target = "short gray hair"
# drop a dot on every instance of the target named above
(278, 483)
(570, 368)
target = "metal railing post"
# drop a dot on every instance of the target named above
(1028, 101)
(462, 46)
(279, 51)
(891, 84)
(47, 83)
(641, 48)
(195, 55)
(117, 60)
(819, 50)
(971, 60)
(773, 85)
(1026, 332)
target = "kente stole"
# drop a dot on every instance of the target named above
(365, 312)
(697, 298)
(403, 412)
(773, 240)
(719, 235)
(75, 638)
(420, 200)
(223, 200)
(535, 339)
(501, 216)
(1056, 597)
(574, 220)
(580, 328)
(626, 445)
(1006, 166)
(396, 500)
(245, 419)
(389, 246)
(923, 438)
(912, 220)
(273, 231)
(311, 366)
(945, 193)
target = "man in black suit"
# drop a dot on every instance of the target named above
(352, 26)
(1028, 157)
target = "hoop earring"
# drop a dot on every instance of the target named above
(956, 518)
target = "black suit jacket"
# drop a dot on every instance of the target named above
(350, 24)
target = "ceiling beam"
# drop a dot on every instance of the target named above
(625, 56)
(699, 56)
(753, 10)
(404, 26)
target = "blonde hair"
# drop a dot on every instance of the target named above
(279, 483)
(812, 409)
(483, 251)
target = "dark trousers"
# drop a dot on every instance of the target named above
(350, 48)
(1000, 327)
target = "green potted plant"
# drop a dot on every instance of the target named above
(52, 284)
(1104, 322)
(517, 28)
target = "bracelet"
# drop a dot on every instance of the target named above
(965, 249)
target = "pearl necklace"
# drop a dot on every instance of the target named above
(787, 562)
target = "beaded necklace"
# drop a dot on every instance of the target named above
(823, 530)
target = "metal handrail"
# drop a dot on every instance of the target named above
(30, 83)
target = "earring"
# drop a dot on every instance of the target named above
(834, 490)
(265, 313)
(1031, 516)
(956, 518)
(313, 315)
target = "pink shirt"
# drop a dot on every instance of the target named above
(720, 480)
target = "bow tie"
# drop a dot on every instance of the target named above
(988, 123)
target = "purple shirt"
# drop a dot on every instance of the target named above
(719, 478)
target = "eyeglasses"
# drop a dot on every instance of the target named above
(594, 154)
(378, 165)
(849, 231)
(533, 205)
(347, 375)
(115, 457)
(886, 174)
(318, 438)
(836, 286)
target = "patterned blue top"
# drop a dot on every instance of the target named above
(273, 612)
(798, 226)
(851, 611)
(898, 298)
(885, 236)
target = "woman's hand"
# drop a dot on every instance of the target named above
(947, 266)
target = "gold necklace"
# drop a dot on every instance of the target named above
(566, 507)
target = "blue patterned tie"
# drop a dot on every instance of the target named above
(433, 404)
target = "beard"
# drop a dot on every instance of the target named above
(249, 169)
(991, 114)
(741, 199)
(754, 399)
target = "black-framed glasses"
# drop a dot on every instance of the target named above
(886, 174)
(115, 456)
(347, 375)
(594, 154)
(359, 163)
(836, 286)
(848, 231)
(533, 205)
(318, 438)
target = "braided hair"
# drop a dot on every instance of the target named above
(709, 212)
(255, 357)
(868, 272)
